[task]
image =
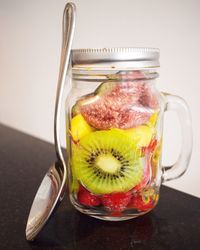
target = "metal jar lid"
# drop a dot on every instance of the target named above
(111, 58)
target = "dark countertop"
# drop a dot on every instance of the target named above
(173, 224)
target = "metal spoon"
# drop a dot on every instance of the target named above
(53, 186)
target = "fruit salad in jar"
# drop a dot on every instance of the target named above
(115, 148)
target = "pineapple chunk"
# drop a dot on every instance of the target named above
(79, 127)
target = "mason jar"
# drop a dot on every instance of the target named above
(114, 132)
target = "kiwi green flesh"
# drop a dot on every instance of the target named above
(104, 143)
(74, 184)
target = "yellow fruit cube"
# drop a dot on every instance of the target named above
(141, 135)
(152, 120)
(79, 127)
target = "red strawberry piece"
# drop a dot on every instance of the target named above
(152, 145)
(82, 188)
(116, 213)
(86, 198)
(141, 202)
(116, 201)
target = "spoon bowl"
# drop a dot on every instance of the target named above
(47, 197)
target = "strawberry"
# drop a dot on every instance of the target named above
(152, 145)
(116, 214)
(141, 202)
(116, 201)
(86, 198)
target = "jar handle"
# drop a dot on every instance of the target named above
(180, 107)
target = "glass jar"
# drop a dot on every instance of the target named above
(114, 127)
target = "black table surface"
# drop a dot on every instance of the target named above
(173, 224)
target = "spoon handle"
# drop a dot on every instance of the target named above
(68, 34)
(52, 188)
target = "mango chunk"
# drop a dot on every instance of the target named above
(152, 120)
(141, 135)
(79, 127)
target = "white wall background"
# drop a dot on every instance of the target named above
(30, 41)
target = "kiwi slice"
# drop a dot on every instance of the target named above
(107, 161)
(74, 183)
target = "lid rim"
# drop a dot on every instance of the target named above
(115, 49)
(116, 55)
